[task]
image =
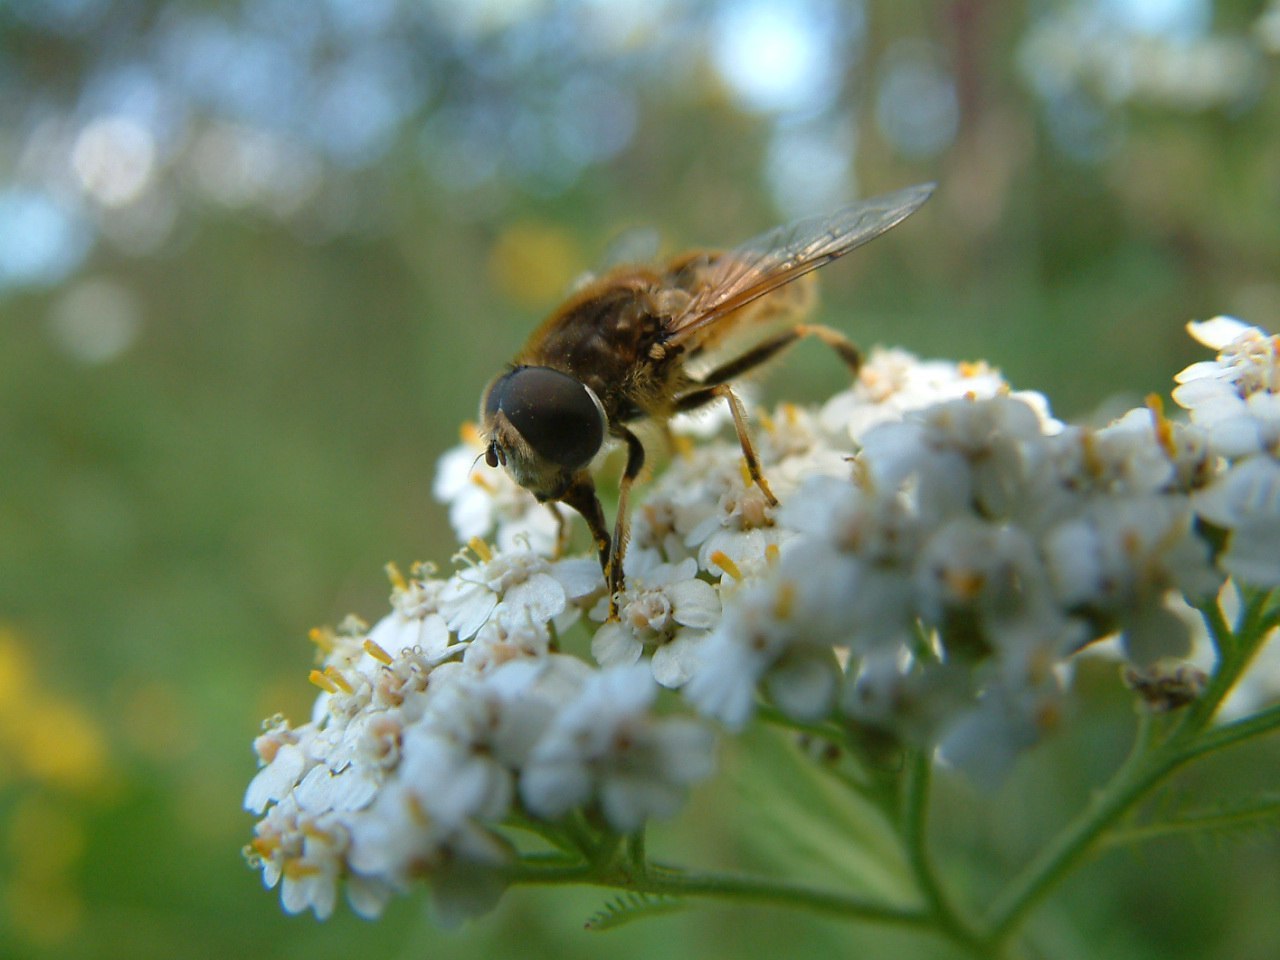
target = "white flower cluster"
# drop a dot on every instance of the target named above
(941, 547)
(970, 547)
(447, 719)
(1235, 400)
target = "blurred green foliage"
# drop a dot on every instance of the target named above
(230, 456)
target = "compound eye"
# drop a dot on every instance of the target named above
(556, 414)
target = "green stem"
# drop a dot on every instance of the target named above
(579, 835)
(1147, 765)
(636, 859)
(604, 854)
(1264, 721)
(731, 888)
(824, 730)
(1131, 782)
(1220, 631)
(915, 811)
(551, 833)
(1270, 621)
(860, 780)
(1261, 812)
(1236, 650)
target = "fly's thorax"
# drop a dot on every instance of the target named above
(602, 335)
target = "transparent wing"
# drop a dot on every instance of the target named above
(785, 253)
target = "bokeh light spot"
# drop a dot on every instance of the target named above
(778, 57)
(237, 166)
(113, 158)
(916, 105)
(41, 240)
(95, 321)
(154, 719)
(1174, 19)
(810, 167)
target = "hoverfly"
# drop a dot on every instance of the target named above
(632, 345)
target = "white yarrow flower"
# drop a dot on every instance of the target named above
(762, 638)
(487, 503)
(1246, 501)
(605, 745)
(514, 589)
(666, 611)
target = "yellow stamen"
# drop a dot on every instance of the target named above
(786, 600)
(1039, 665)
(965, 584)
(297, 869)
(771, 554)
(309, 829)
(397, 579)
(860, 474)
(338, 680)
(766, 421)
(1089, 454)
(1048, 716)
(1131, 543)
(322, 637)
(352, 626)
(725, 563)
(480, 549)
(417, 811)
(469, 434)
(746, 473)
(266, 845)
(683, 445)
(322, 681)
(375, 651)
(482, 481)
(1163, 425)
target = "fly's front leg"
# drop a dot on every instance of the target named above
(613, 572)
(562, 531)
(581, 495)
(703, 396)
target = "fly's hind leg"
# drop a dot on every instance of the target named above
(703, 396)
(715, 384)
(765, 351)
(845, 348)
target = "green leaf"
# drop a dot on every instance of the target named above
(627, 907)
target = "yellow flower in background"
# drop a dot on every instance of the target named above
(53, 751)
(45, 737)
(533, 264)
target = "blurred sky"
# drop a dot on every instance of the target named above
(123, 120)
